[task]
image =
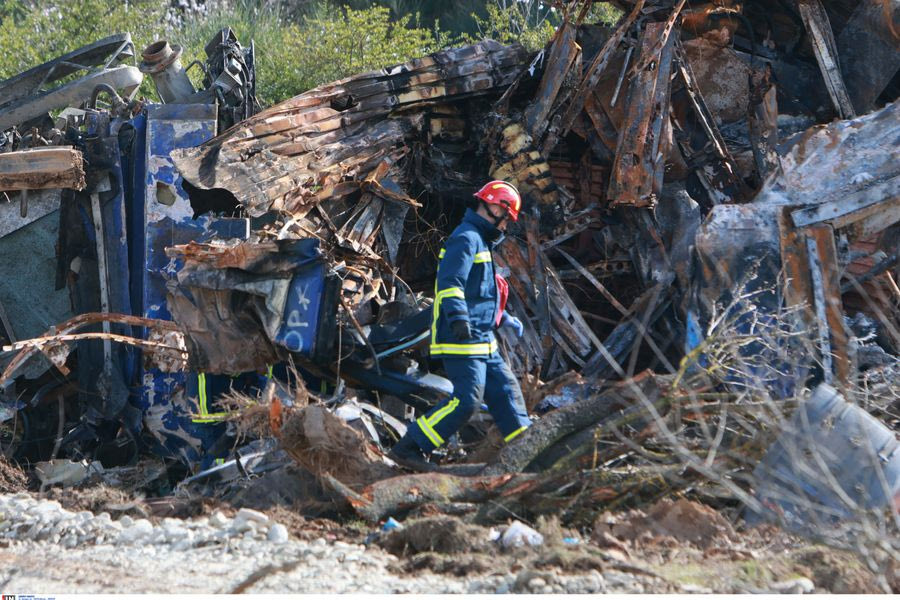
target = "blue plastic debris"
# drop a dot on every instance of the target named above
(391, 524)
(566, 397)
(831, 460)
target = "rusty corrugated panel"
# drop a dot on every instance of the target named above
(281, 158)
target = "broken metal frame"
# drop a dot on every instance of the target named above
(592, 76)
(64, 331)
(21, 99)
(723, 184)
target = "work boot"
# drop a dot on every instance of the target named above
(407, 454)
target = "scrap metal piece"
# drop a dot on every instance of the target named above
(65, 472)
(719, 175)
(563, 53)
(816, 21)
(53, 341)
(637, 172)
(229, 82)
(596, 283)
(162, 63)
(592, 77)
(575, 224)
(825, 278)
(42, 168)
(763, 124)
(863, 204)
(103, 275)
(24, 97)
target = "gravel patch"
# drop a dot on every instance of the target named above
(46, 549)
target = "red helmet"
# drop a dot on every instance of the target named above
(504, 194)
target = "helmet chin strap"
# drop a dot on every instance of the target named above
(494, 219)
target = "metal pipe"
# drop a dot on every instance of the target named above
(163, 63)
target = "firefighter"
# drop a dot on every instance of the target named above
(466, 312)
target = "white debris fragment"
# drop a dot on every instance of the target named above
(519, 534)
(278, 534)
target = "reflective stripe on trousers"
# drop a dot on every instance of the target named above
(474, 378)
(204, 415)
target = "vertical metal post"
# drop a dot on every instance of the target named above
(97, 214)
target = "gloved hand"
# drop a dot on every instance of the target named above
(513, 323)
(460, 329)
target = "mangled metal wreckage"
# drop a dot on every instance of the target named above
(672, 166)
(110, 229)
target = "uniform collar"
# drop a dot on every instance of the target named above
(487, 230)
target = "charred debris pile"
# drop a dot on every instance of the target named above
(709, 229)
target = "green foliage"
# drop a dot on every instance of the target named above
(344, 42)
(454, 15)
(31, 35)
(603, 12)
(299, 44)
(529, 22)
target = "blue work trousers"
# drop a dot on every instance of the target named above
(474, 378)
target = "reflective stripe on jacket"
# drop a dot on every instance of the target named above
(465, 289)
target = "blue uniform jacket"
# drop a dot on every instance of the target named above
(466, 289)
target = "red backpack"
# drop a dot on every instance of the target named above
(502, 295)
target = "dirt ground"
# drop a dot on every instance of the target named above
(674, 543)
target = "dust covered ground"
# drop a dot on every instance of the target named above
(197, 545)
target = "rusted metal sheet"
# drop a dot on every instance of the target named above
(563, 53)
(592, 77)
(720, 76)
(825, 278)
(636, 178)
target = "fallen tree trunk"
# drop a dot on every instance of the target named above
(42, 168)
(583, 450)
(397, 495)
(515, 456)
(578, 497)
